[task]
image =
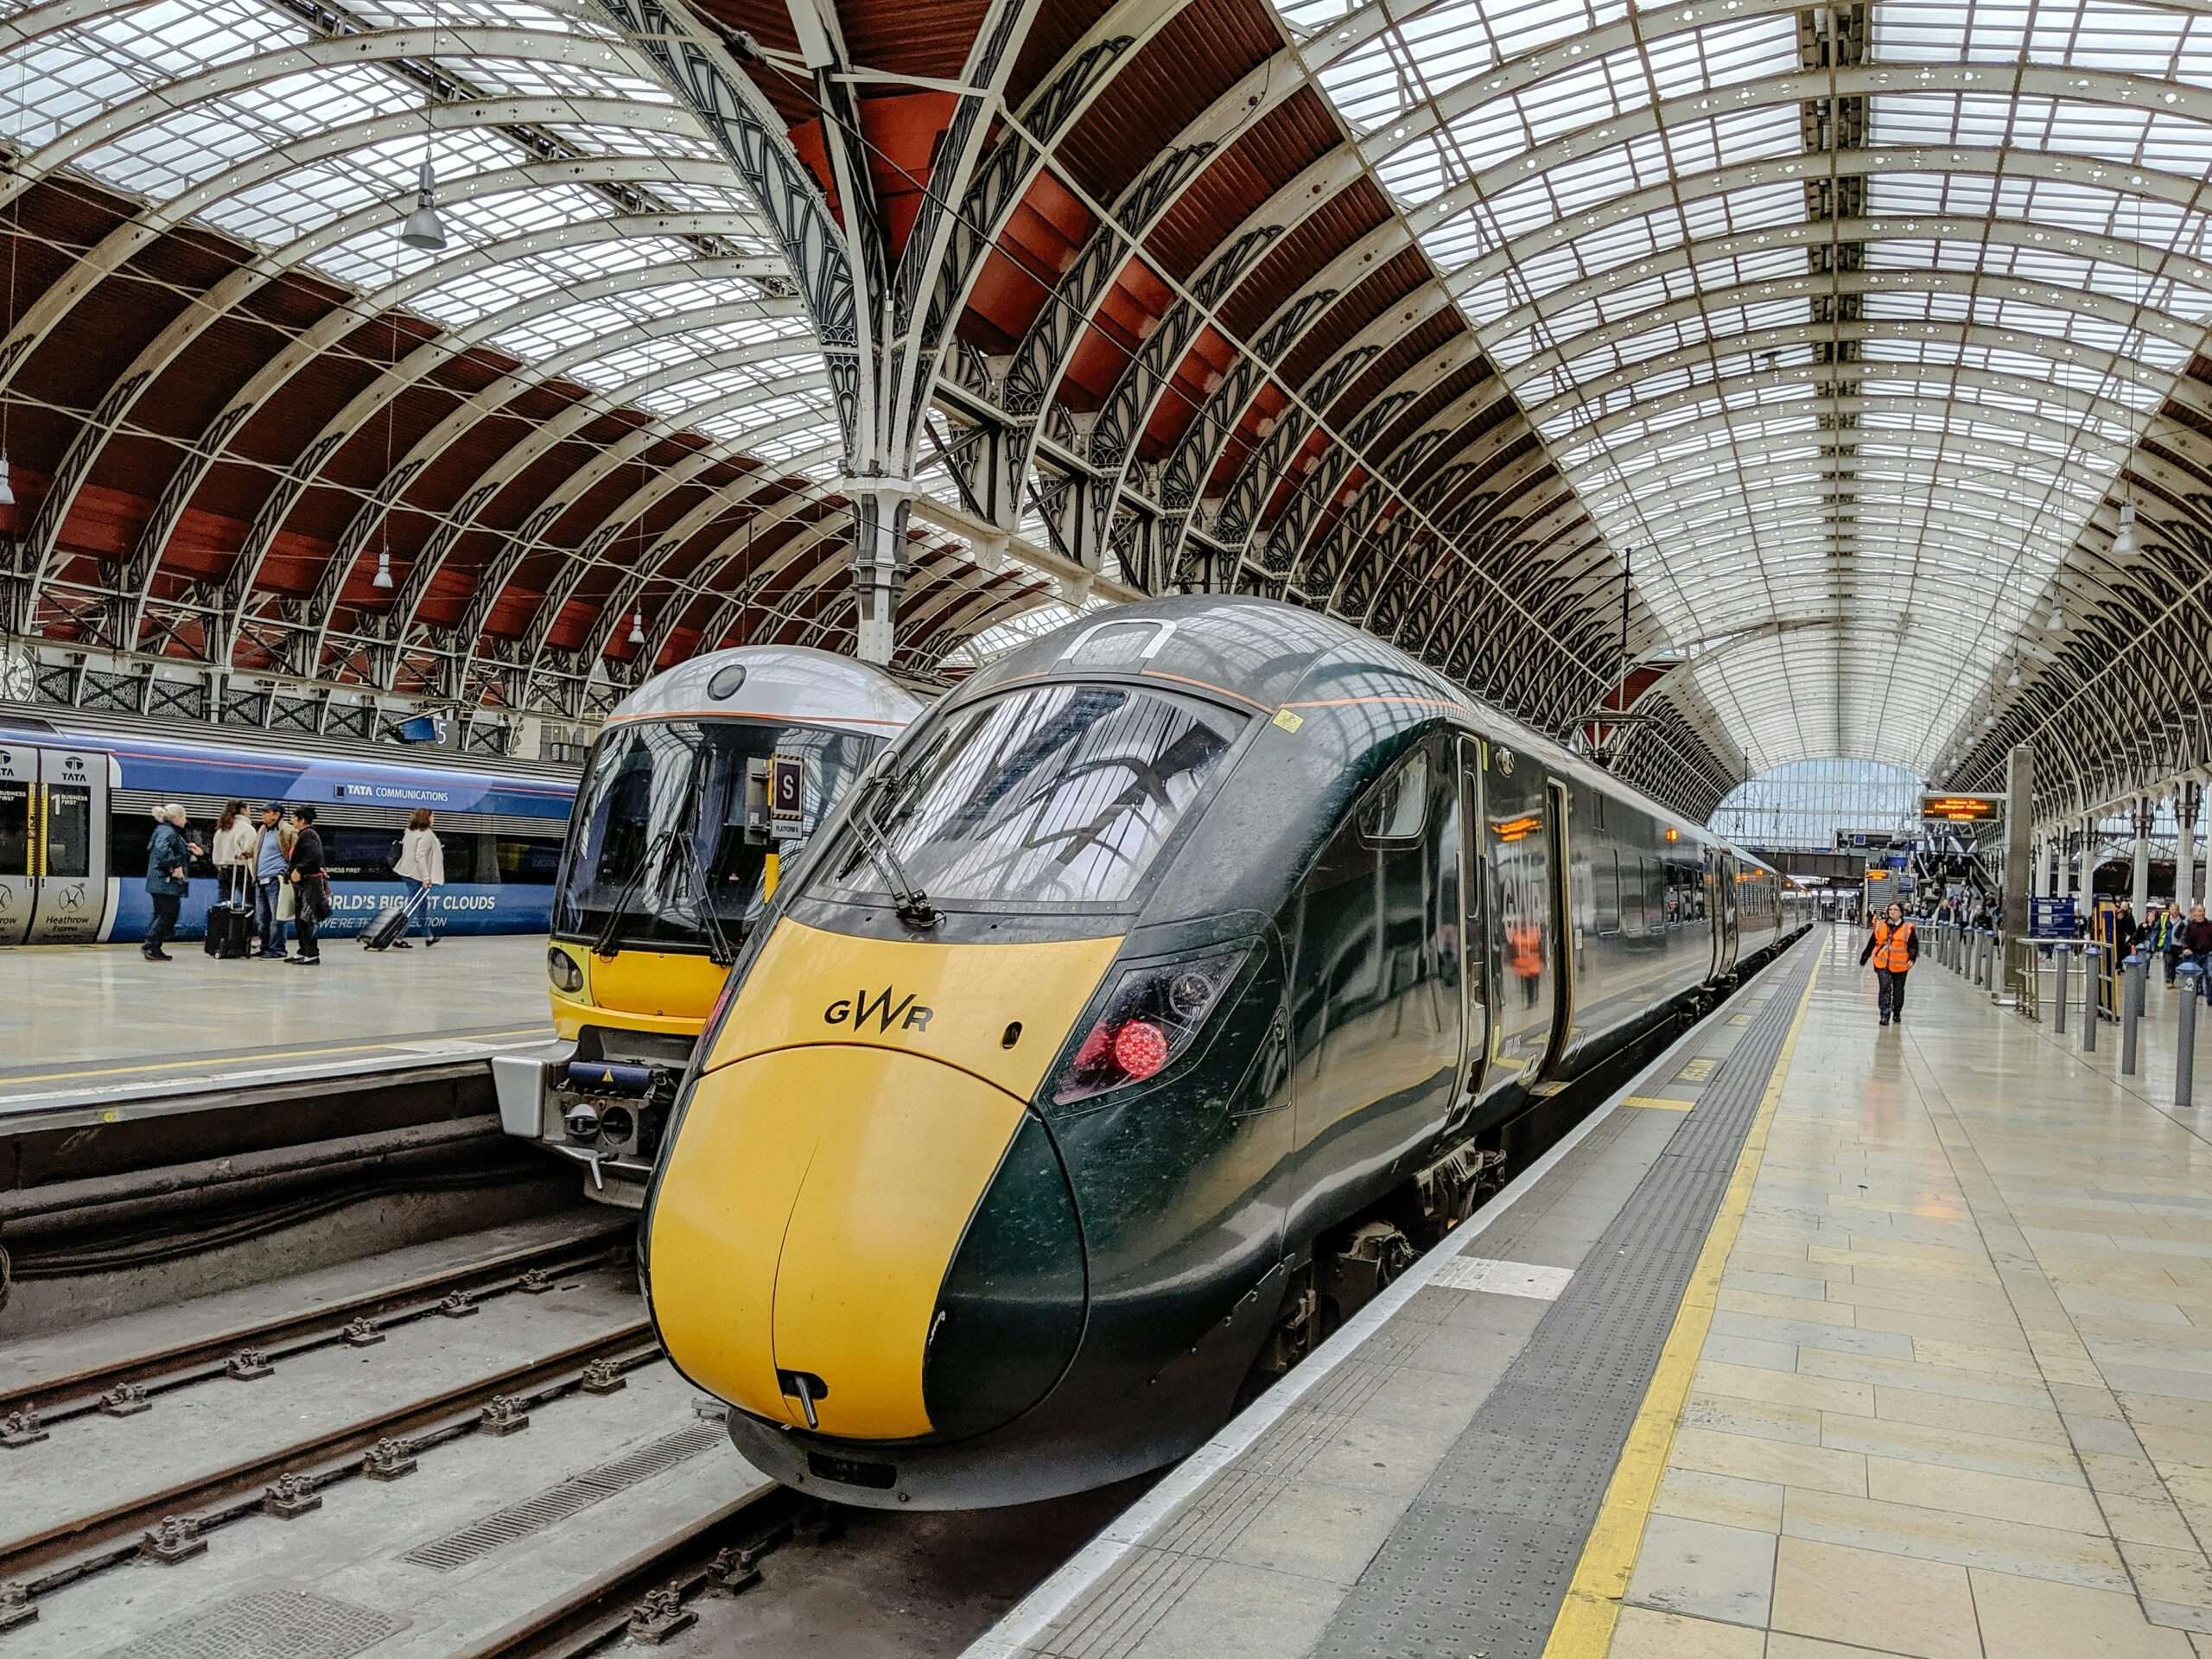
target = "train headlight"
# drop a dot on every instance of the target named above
(1152, 1017)
(560, 968)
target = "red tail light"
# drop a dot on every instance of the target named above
(1151, 1018)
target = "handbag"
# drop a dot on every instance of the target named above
(288, 901)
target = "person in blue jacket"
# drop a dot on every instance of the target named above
(169, 873)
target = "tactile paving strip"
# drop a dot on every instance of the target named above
(1480, 1562)
(268, 1624)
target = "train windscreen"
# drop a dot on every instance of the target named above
(667, 851)
(1058, 795)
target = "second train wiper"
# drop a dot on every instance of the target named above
(911, 903)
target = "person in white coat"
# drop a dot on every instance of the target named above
(421, 860)
(231, 853)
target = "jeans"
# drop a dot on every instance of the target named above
(1892, 992)
(166, 905)
(266, 894)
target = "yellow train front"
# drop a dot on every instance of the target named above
(1164, 987)
(706, 781)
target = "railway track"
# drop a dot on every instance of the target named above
(172, 1523)
(130, 1384)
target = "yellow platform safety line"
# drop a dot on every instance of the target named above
(1659, 1103)
(1584, 1628)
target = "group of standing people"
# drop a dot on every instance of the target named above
(2166, 935)
(276, 855)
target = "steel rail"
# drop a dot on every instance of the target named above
(644, 1595)
(65, 1551)
(160, 1370)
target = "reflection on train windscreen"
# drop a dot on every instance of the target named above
(1060, 795)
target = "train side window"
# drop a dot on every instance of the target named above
(1397, 808)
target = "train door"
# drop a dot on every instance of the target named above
(1517, 812)
(1563, 926)
(1727, 929)
(1477, 968)
(18, 840)
(53, 818)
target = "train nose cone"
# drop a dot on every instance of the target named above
(806, 1224)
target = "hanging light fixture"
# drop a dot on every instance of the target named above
(382, 577)
(2013, 678)
(2123, 541)
(637, 627)
(2056, 623)
(423, 228)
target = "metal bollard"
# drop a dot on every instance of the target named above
(2090, 1020)
(2063, 955)
(2185, 1034)
(2130, 1010)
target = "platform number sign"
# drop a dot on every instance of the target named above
(787, 794)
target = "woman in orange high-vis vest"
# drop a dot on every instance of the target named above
(1893, 946)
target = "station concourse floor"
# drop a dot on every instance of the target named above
(82, 1023)
(1927, 1372)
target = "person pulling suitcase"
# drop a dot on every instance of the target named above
(230, 919)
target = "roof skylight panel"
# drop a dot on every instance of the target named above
(2124, 39)
(1942, 33)
(502, 14)
(109, 57)
(1418, 170)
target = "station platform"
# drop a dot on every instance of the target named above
(80, 1025)
(1818, 1341)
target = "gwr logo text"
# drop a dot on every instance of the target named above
(858, 1010)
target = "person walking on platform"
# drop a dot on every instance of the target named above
(421, 861)
(271, 865)
(1892, 946)
(168, 875)
(310, 885)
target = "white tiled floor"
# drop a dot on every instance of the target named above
(1957, 1396)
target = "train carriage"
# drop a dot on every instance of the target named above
(705, 782)
(1157, 994)
(76, 821)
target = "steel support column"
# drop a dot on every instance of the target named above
(2022, 858)
(881, 509)
(2141, 885)
(2186, 797)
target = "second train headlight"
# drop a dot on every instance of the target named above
(560, 968)
(1151, 1018)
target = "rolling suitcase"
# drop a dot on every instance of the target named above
(390, 923)
(229, 930)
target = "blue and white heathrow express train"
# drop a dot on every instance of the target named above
(76, 816)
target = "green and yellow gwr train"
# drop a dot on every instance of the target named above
(1134, 1018)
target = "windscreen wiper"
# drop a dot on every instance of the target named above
(720, 951)
(608, 945)
(911, 904)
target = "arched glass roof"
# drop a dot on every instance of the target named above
(1841, 321)
(595, 237)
